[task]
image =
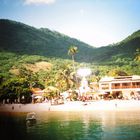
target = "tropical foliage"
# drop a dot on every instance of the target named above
(31, 57)
(26, 40)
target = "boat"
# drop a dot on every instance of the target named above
(31, 119)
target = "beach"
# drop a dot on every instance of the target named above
(117, 105)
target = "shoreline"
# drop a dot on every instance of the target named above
(101, 105)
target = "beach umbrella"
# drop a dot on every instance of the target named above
(38, 97)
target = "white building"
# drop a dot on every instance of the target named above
(120, 84)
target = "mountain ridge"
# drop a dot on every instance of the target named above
(20, 38)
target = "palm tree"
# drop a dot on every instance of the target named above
(72, 51)
(65, 77)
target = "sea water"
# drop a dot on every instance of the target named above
(84, 125)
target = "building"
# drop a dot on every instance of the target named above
(120, 84)
(37, 94)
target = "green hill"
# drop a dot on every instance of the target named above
(123, 50)
(39, 57)
(23, 39)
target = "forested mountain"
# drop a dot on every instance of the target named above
(125, 49)
(39, 58)
(23, 39)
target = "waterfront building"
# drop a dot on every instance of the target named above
(37, 94)
(120, 84)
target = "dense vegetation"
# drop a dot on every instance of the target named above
(23, 39)
(31, 57)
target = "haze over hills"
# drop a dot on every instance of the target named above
(23, 39)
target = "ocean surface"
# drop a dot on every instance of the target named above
(86, 125)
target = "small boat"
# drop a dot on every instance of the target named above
(31, 119)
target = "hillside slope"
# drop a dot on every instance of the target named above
(123, 50)
(23, 39)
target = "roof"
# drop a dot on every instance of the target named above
(37, 91)
(120, 78)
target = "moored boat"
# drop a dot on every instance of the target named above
(31, 118)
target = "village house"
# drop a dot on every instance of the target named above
(127, 85)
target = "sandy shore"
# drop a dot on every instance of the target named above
(116, 105)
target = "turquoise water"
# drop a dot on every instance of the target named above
(72, 126)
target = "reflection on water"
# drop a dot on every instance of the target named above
(12, 126)
(74, 126)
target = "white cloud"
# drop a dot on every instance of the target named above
(28, 2)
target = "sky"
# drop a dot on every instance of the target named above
(95, 22)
